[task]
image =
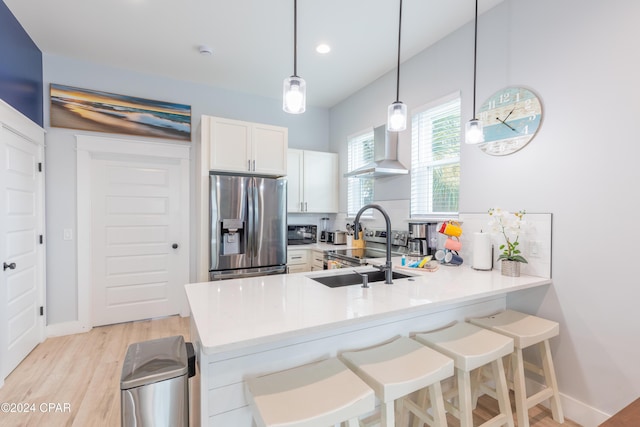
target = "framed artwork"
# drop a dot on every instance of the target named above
(97, 111)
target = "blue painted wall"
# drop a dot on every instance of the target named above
(20, 67)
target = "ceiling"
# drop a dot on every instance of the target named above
(252, 40)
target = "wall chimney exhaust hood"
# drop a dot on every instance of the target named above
(385, 149)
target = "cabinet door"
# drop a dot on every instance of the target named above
(230, 145)
(320, 178)
(294, 178)
(269, 149)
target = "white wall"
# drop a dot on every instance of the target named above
(306, 131)
(582, 58)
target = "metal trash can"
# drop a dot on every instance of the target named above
(155, 383)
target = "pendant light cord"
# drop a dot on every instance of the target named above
(398, 67)
(295, 38)
(475, 53)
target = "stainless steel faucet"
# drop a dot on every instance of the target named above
(356, 225)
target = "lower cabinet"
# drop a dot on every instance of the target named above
(298, 260)
(317, 260)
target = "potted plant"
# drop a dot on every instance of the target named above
(509, 225)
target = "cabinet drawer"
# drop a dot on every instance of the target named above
(297, 257)
(298, 268)
(317, 260)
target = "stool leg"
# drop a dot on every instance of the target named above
(502, 391)
(464, 393)
(353, 422)
(550, 380)
(387, 414)
(437, 405)
(422, 402)
(519, 388)
(401, 413)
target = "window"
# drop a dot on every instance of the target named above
(435, 158)
(359, 190)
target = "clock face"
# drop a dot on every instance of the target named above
(511, 118)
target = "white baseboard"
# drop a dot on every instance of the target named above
(582, 413)
(66, 328)
(573, 409)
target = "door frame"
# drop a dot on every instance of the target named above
(88, 147)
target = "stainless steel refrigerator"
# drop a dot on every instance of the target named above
(248, 226)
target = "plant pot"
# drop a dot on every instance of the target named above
(510, 268)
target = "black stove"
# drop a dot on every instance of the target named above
(375, 248)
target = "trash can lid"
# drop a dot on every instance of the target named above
(152, 361)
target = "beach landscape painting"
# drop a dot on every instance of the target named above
(97, 111)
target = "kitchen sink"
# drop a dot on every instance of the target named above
(355, 279)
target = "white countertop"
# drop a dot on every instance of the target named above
(239, 313)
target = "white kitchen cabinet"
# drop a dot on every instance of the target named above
(317, 260)
(313, 181)
(298, 260)
(245, 147)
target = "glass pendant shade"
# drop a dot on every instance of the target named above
(397, 117)
(474, 134)
(294, 95)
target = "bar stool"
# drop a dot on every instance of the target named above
(398, 368)
(319, 394)
(527, 330)
(472, 347)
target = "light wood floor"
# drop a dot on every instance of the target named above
(83, 371)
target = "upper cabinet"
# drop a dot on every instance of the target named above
(244, 147)
(313, 181)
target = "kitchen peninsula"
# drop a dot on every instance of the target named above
(251, 326)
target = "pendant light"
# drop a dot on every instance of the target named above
(474, 133)
(294, 94)
(397, 111)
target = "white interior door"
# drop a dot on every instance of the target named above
(21, 252)
(139, 265)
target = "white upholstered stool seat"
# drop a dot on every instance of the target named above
(472, 347)
(319, 394)
(398, 368)
(527, 330)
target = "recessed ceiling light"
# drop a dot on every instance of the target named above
(323, 48)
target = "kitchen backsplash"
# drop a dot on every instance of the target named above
(535, 241)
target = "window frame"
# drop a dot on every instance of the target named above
(362, 134)
(436, 163)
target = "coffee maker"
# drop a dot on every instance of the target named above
(423, 236)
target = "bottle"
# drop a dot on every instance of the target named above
(404, 260)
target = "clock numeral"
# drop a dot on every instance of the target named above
(528, 104)
(526, 130)
(505, 97)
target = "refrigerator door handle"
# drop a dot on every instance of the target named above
(254, 214)
(251, 218)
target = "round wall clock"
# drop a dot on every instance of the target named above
(511, 118)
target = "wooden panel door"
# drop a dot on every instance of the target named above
(21, 252)
(138, 263)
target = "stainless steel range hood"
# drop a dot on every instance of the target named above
(385, 149)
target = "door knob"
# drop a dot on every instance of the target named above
(174, 246)
(11, 266)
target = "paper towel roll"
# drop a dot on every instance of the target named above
(482, 251)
